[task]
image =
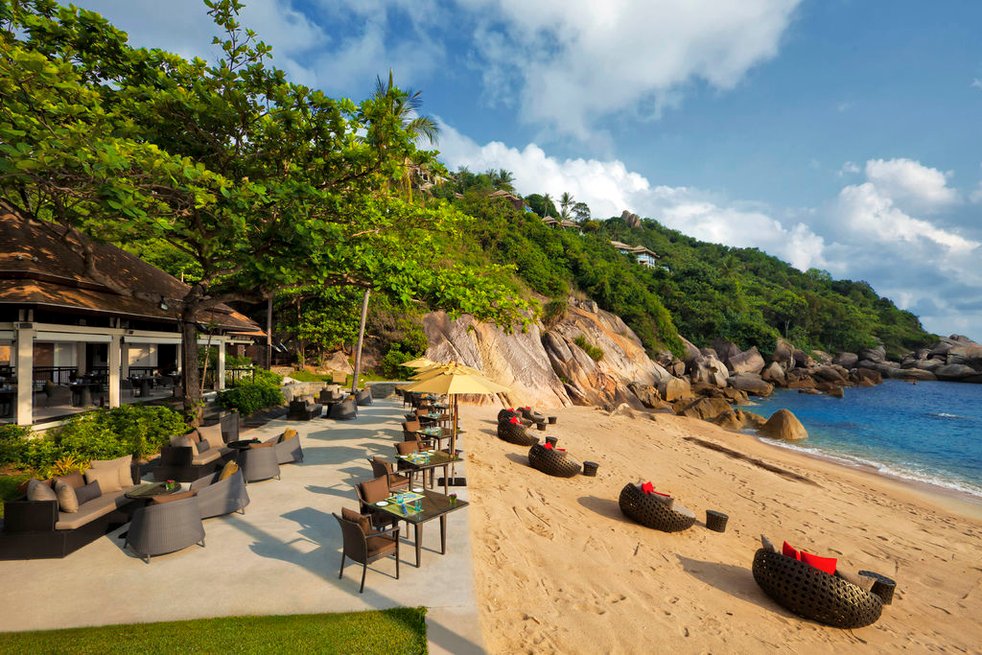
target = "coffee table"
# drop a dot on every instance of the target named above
(434, 506)
(148, 490)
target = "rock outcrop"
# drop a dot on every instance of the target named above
(784, 425)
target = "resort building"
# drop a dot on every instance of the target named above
(641, 254)
(84, 323)
(560, 224)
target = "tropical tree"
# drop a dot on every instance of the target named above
(566, 202)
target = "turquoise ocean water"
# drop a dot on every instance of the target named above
(929, 432)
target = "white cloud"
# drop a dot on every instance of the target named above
(849, 168)
(579, 60)
(912, 185)
(609, 188)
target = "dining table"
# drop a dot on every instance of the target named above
(418, 507)
(426, 460)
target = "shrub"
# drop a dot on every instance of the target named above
(13, 441)
(250, 396)
(109, 433)
(595, 353)
(391, 365)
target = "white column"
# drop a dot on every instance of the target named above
(81, 360)
(124, 359)
(220, 368)
(25, 376)
(180, 361)
(115, 348)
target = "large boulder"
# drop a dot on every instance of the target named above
(706, 409)
(802, 359)
(707, 369)
(967, 355)
(784, 425)
(865, 377)
(691, 351)
(915, 374)
(735, 396)
(725, 350)
(775, 375)
(729, 420)
(958, 373)
(748, 361)
(647, 394)
(673, 389)
(846, 360)
(878, 354)
(830, 374)
(751, 383)
(751, 420)
(784, 354)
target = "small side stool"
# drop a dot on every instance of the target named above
(716, 521)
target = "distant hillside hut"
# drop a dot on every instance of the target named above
(68, 340)
(515, 201)
(641, 254)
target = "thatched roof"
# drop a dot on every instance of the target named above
(39, 267)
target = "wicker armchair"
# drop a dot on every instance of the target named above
(164, 528)
(219, 497)
(345, 410)
(814, 594)
(515, 433)
(382, 468)
(367, 547)
(553, 462)
(364, 397)
(651, 512)
(259, 463)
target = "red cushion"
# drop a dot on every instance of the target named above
(647, 488)
(826, 564)
(789, 550)
(514, 420)
(547, 446)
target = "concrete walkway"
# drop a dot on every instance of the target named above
(281, 557)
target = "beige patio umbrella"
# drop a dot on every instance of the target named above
(454, 380)
(442, 369)
(420, 362)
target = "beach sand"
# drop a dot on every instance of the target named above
(559, 569)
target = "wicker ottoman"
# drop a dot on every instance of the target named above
(650, 512)
(814, 594)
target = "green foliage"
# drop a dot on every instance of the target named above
(595, 353)
(13, 441)
(397, 631)
(250, 396)
(139, 430)
(391, 365)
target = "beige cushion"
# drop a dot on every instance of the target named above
(40, 490)
(766, 544)
(183, 441)
(122, 466)
(206, 457)
(67, 500)
(89, 511)
(108, 479)
(213, 435)
(194, 436)
(228, 471)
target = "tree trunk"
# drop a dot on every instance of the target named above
(190, 379)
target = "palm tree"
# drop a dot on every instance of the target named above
(503, 180)
(566, 203)
(547, 202)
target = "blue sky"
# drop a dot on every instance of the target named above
(839, 134)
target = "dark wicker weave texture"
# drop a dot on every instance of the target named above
(516, 434)
(533, 415)
(504, 415)
(553, 462)
(814, 594)
(650, 512)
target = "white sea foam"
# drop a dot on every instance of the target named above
(893, 470)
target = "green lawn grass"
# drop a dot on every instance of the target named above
(396, 631)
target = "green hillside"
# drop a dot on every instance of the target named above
(700, 290)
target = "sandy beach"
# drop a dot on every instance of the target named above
(559, 569)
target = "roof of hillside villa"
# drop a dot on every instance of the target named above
(634, 250)
(41, 266)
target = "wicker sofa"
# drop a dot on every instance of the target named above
(552, 461)
(515, 433)
(185, 460)
(39, 529)
(814, 594)
(652, 512)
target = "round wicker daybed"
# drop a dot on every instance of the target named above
(532, 415)
(814, 594)
(651, 512)
(553, 462)
(515, 433)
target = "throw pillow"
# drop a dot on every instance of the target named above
(74, 480)
(363, 521)
(288, 434)
(107, 478)
(67, 501)
(40, 490)
(88, 492)
(863, 582)
(213, 435)
(122, 467)
(647, 488)
(228, 470)
(766, 544)
(826, 564)
(170, 498)
(202, 446)
(790, 551)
